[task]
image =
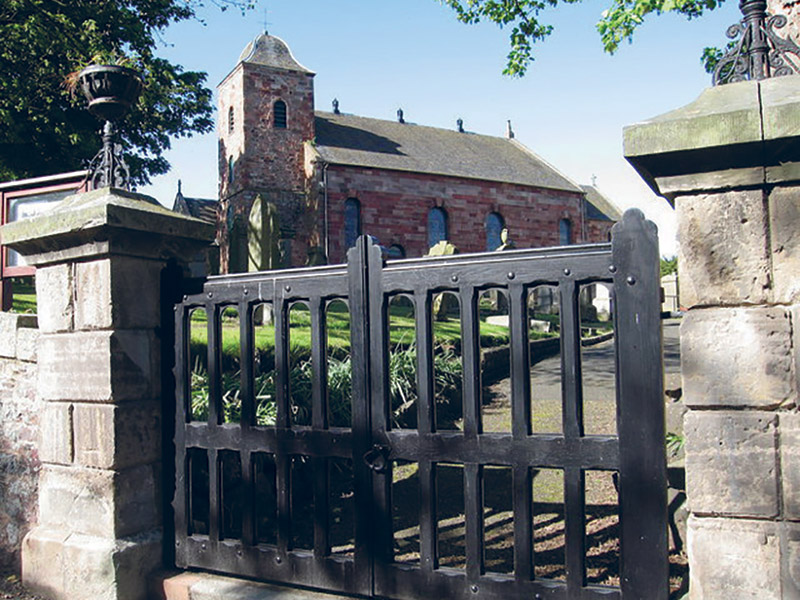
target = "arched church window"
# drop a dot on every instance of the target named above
(564, 232)
(437, 226)
(279, 114)
(230, 169)
(494, 227)
(352, 221)
(230, 120)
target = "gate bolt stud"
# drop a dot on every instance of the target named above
(511, 275)
(567, 272)
(210, 294)
(239, 553)
(177, 543)
(246, 291)
(474, 588)
(278, 559)
(203, 547)
(612, 269)
(454, 278)
(288, 288)
(631, 280)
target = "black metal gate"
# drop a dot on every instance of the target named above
(248, 486)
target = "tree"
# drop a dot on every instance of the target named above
(43, 130)
(617, 24)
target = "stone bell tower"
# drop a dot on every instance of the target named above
(266, 114)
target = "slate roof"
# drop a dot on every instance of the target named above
(599, 206)
(271, 51)
(359, 141)
(199, 208)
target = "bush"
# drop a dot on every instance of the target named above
(402, 390)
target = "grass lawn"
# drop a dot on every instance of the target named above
(24, 296)
(401, 330)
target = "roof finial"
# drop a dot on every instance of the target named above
(460, 124)
(594, 180)
(509, 131)
(400, 118)
(335, 106)
(179, 187)
(266, 10)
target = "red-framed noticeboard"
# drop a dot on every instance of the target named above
(24, 199)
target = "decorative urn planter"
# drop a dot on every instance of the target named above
(111, 90)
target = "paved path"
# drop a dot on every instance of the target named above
(598, 385)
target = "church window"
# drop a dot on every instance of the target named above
(437, 226)
(564, 232)
(494, 227)
(230, 120)
(279, 114)
(352, 222)
(230, 169)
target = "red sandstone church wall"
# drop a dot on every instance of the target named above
(395, 205)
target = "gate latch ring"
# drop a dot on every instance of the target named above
(377, 459)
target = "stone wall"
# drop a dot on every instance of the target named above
(19, 433)
(395, 206)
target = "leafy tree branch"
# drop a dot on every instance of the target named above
(617, 24)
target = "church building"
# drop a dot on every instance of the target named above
(328, 177)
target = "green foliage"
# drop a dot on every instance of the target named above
(669, 265)
(402, 390)
(675, 443)
(44, 131)
(617, 24)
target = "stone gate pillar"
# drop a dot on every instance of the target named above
(99, 258)
(730, 164)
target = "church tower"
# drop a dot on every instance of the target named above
(266, 114)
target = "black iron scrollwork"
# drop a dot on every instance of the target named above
(758, 51)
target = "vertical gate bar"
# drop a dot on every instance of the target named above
(213, 341)
(319, 413)
(363, 272)
(283, 461)
(283, 481)
(574, 531)
(523, 523)
(182, 391)
(426, 409)
(473, 517)
(471, 355)
(248, 499)
(214, 506)
(428, 534)
(644, 567)
(281, 316)
(520, 362)
(572, 389)
(246, 361)
(322, 546)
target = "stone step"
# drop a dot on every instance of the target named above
(187, 585)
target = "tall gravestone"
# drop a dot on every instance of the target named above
(730, 164)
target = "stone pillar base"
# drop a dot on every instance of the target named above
(68, 566)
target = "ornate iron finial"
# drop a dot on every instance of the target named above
(400, 118)
(460, 125)
(111, 90)
(335, 106)
(758, 51)
(509, 130)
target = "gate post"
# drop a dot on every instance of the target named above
(99, 259)
(730, 164)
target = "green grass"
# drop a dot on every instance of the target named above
(446, 333)
(23, 295)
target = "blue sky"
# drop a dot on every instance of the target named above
(376, 56)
